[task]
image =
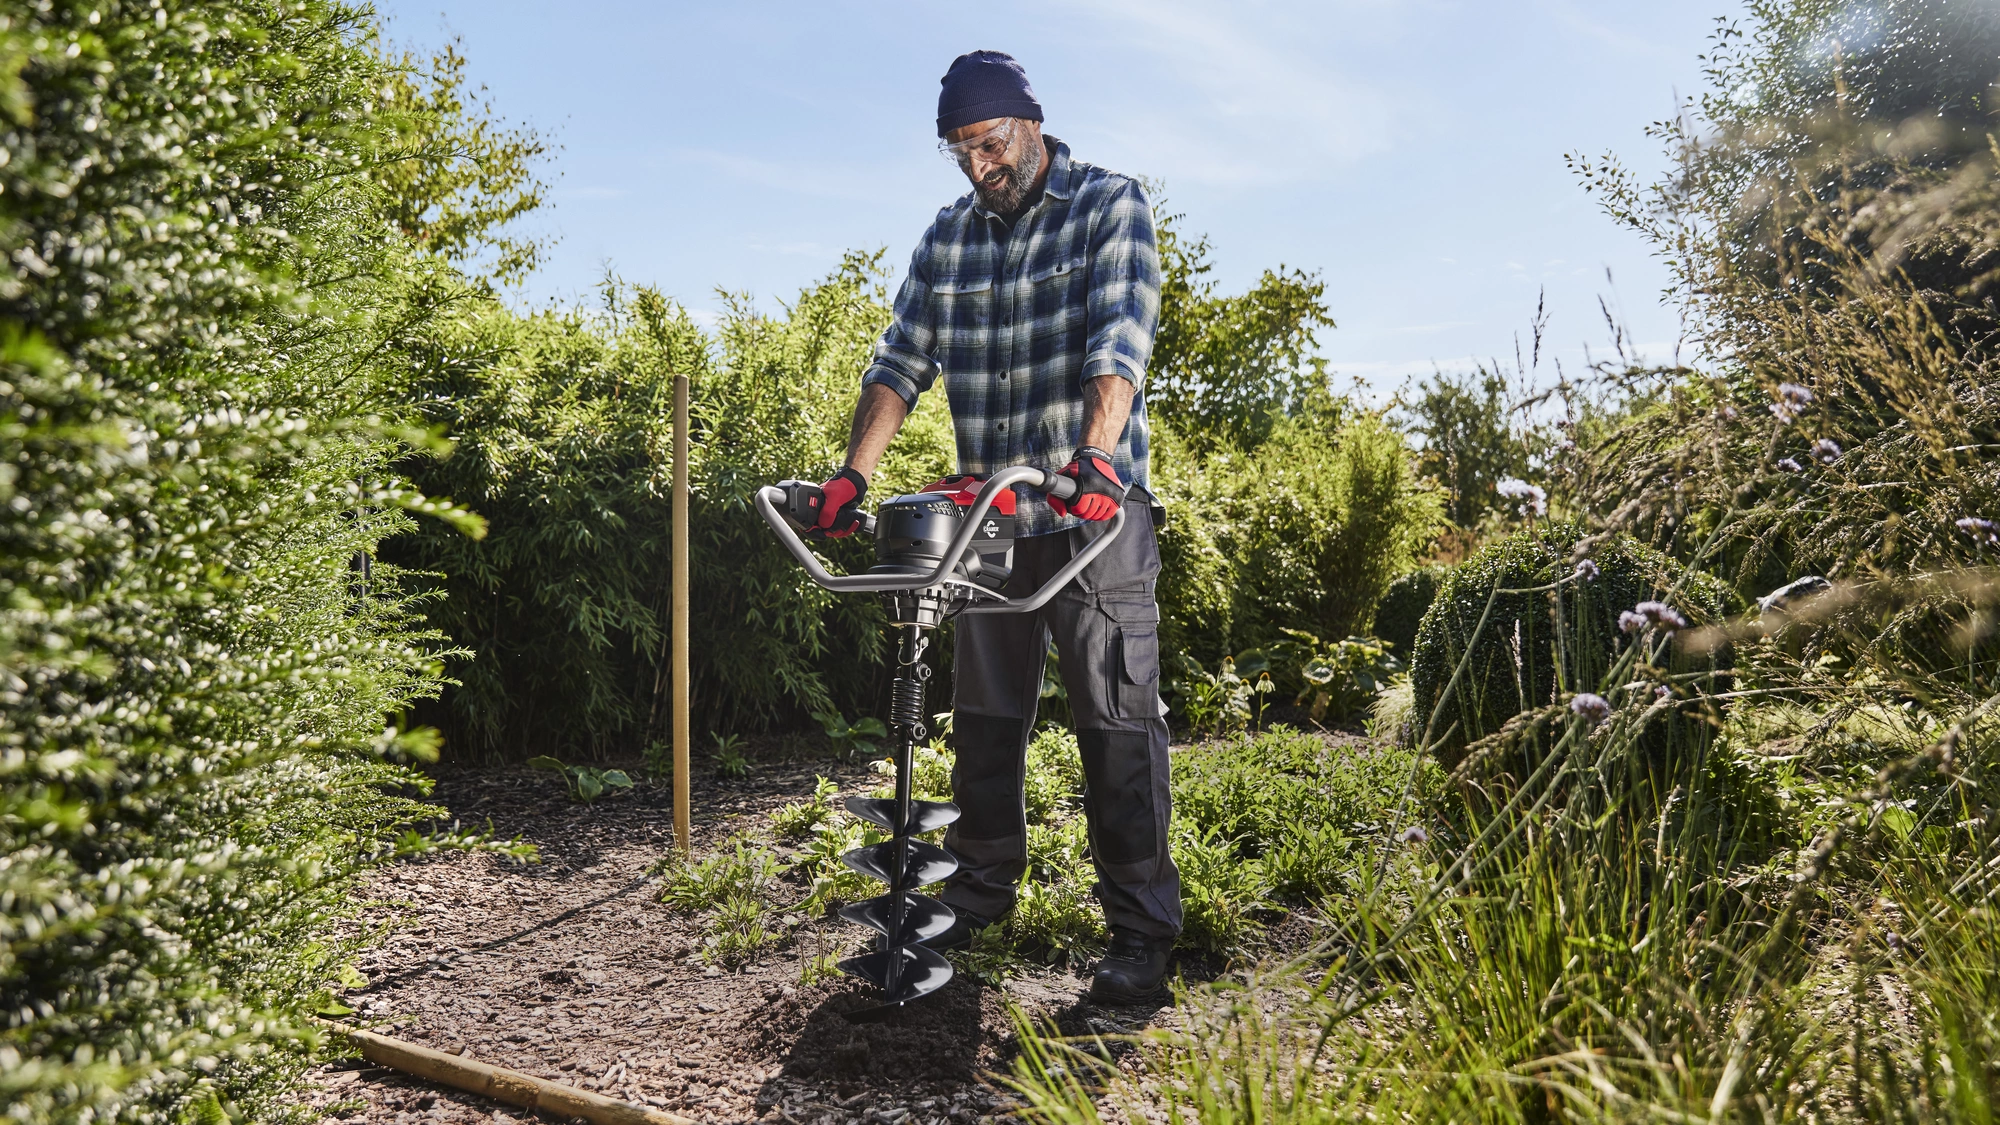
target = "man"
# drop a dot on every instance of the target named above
(1036, 296)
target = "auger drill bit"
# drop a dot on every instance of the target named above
(901, 966)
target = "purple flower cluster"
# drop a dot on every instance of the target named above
(1792, 398)
(1593, 708)
(1587, 571)
(1412, 835)
(1645, 614)
(1790, 466)
(1827, 450)
(1986, 533)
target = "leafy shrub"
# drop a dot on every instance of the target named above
(1054, 914)
(853, 738)
(1221, 894)
(1336, 680)
(1306, 531)
(1288, 791)
(1226, 369)
(1403, 606)
(1054, 785)
(1220, 701)
(216, 216)
(1554, 630)
(730, 761)
(1470, 442)
(585, 783)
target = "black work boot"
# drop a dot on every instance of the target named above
(963, 929)
(1133, 969)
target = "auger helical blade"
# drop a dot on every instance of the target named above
(925, 816)
(923, 917)
(923, 971)
(925, 863)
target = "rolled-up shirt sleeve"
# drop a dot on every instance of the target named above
(1124, 302)
(906, 356)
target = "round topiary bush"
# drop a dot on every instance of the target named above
(1513, 662)
(1402, 609)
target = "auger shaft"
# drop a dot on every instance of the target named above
(906, 716)
(902, 966)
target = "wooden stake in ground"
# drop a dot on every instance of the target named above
(502, 1084)
(680, 611)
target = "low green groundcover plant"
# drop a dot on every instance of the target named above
(585, 784)
(1265, 824)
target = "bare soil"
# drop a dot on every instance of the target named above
(571, 969)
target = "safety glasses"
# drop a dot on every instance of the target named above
(989, 146)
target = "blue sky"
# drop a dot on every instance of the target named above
(1410, 152)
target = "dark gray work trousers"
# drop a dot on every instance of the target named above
(1106, 629)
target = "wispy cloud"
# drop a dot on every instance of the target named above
(825, 181)
(1263, 109)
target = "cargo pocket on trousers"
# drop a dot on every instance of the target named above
(1138, 681)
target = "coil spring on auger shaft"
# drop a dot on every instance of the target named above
(901, 965)
(906, 702)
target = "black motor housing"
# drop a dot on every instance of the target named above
(913, 532)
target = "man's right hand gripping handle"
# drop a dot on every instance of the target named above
(837, 511)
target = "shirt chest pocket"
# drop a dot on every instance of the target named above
(1057, 301)
(1058, 272)
(961, 303)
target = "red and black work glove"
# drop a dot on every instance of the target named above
(1099, 491)
(840, 505)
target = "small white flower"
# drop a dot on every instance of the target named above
(1792, 398)
(1532, 498)
(1593, 708)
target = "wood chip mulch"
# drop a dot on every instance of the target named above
(572, 970)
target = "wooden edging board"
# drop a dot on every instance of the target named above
(500, 1083)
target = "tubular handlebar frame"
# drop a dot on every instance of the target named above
(1037, 479)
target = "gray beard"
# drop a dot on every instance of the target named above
(1014, 182)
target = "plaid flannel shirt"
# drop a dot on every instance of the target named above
(1018, 321)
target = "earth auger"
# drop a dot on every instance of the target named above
(939, 553)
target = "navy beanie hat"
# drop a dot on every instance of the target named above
(982, 85)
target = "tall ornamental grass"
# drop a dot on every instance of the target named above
(214, 229)
(1789, 915)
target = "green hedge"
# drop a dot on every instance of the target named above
(1305, 531)
(196, 659)
(1403, 606)
(564, 436)
(1513, 665)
